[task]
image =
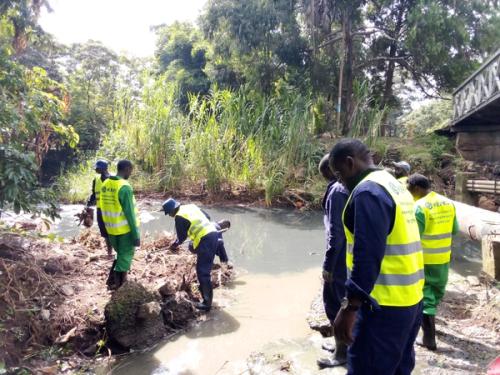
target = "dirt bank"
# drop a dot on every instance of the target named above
(53, 298)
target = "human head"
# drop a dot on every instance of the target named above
(325, 170)
(401, 169)
(170, 207)
(101, 166)
(224, 224)
(350, 157)
(124, 168)
(418, 185)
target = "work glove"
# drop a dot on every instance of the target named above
(327, 276)
(137, 242)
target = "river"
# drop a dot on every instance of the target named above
(278, 253)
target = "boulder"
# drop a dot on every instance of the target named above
(133, 317)
(168, 289)
(487, 203)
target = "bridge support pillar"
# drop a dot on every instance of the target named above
(491, 255)
(461, 192)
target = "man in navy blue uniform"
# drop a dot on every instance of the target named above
(381, 314)
(334, 266)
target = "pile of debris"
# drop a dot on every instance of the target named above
(54, 305)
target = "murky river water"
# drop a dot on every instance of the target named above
(281, 253)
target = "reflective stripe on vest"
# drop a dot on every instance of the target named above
(97, 190)
(401, 277)
(439, 215)
(200, 225)
(112, 213)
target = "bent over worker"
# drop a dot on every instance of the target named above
(437, 222)
(101, 168)
(402, 171)
(381, 314)
(334, 266)
(120, 216)
(192, 222)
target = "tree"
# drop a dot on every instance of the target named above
(181, 55)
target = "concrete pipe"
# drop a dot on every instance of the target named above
(475, 222)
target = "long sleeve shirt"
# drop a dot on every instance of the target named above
(182, 227)
(333, 205)
(370, 215)
(126, 199)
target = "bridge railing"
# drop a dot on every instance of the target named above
(479, 89)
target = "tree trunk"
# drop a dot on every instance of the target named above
(349, 77)
(391, 67)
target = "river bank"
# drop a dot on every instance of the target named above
(54, 299)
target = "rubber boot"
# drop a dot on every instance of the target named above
(111, 278)
(428, 339)
(207, 295)
(338, 358)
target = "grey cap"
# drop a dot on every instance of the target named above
(403, 165)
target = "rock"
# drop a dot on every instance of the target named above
(131, 320)
(67, 290)
(178, 310)
(168, 289)
(317, 318)
(487, 203)
(473, 280)
(149, 310)
(45, 314)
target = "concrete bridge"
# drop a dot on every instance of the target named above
(476, 113)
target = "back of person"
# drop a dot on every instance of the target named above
(401, 275)
(200, 224)
(112, 212)
(439, 214)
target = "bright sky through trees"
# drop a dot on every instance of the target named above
(123, 25)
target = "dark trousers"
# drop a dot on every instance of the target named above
(100, 224)
(334, 292)
(383, 341)
(205, 254)
(221, 250)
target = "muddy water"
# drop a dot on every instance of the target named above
(279, 253)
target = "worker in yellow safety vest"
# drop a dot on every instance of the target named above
(437, 223)
(192, 222)
(381, 314)
(121, 219)
(101, 170)
(402, 171)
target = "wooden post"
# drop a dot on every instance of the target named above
(490, 248)
(461, 192)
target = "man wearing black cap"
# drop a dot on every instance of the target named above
(101, 170)
(192, 222)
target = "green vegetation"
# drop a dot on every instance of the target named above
(245, 98)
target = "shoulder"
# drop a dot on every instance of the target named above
(368, 191)
(338, 188)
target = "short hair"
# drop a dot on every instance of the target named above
(349, 147)
(324, 167)
(123, 164)
(418, 180)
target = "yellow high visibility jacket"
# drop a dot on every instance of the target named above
(113, 216)
(401, 277)
(200, 225)
(403, 180)
(439, 214)
(97, 189)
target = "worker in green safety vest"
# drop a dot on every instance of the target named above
(121, 219)
(101, 170)
(437, 223)
(192, 222)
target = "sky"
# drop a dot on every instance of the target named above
(122, 25)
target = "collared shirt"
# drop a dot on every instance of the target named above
(333, 207)
(370, 215)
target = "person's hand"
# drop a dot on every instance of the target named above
(327, 276)
(137, 242)
(343, 324)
